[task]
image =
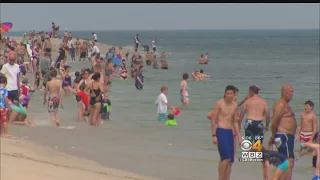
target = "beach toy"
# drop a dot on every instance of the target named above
(116, 61)
(84, 97)
(107, 108)
(176, 111)
(171, 122)
(20, 109)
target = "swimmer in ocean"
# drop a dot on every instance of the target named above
(184, 94)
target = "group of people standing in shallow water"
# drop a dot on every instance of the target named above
(226, 122)
(91, 87)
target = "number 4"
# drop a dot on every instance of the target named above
(257, 146)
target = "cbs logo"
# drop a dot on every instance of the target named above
(247, 145)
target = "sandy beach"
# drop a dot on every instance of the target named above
(132, 141)
(23, 160)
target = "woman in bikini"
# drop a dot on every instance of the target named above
(96, 90)
(184, 94)
(123, 70)
(109, 70)
(66, 79)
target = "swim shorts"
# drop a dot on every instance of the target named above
(305, 136)
(162, 117)
(254, 130)
(284, 166)
(3, 115)
(53, 104)
(315, 177)
(285, 144)
(225, 144)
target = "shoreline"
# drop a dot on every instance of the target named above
(34, 161)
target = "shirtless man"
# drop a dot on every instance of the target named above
(203, 76)
(55, 96)
(309, 123)
(83, 51)
(205, 59)
(284, 127)
(256, 109)
(200, 60)
(222, 123)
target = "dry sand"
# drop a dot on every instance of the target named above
(24, 160)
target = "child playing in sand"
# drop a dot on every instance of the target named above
(4, 105)
(105, 107)
(171, 121)
(162, 104)
(308, 125)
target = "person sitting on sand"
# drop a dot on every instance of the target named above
(201, 60)
(55, 97)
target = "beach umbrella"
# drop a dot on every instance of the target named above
(6, 27)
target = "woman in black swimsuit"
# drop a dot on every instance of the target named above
(123, 70)
(96, 90)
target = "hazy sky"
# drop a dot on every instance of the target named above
(160, 16)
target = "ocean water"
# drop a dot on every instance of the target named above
(268, 58)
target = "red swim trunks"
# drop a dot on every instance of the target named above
(3, 115)
(305, 136)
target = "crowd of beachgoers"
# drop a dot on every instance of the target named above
(31, 57)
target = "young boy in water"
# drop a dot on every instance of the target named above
(73, 53)
(4, 105)
(308, 125)
(162, 104)
(171, 120)
(105, 107)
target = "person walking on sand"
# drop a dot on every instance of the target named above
(154, 46)
(284, 127)
(222, 123)
(162, 103)
(55, 97)
(95, 50)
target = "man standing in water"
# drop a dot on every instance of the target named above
(284, 126)
(222, 123)
(256, 109)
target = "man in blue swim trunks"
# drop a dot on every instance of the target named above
(284, 127)
(222, 123)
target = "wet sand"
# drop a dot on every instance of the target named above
(134, 141)
(23, 160)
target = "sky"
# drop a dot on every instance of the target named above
(144, 16)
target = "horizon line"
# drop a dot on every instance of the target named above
(98, 30)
